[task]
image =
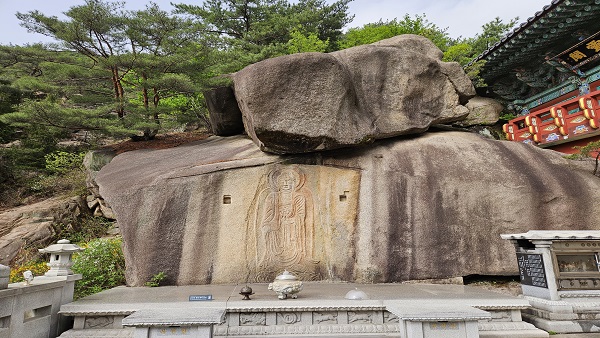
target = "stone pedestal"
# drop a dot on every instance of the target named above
(193, 323)
(439, 321)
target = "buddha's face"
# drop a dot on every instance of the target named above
(286, 182)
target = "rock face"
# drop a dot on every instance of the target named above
(34, 224)
(225, 115)
(482, 111)
(313, 101)
(431, 206)
(93, 162)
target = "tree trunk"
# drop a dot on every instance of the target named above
(145, 91)
(119, 93)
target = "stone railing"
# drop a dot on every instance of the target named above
(31, 310)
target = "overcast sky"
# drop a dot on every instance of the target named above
(461, 17)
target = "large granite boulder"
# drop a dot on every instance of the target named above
(225, 115)
(430, 206)
(482, 111)
(314, 101)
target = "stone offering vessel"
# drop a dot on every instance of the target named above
(286, 285)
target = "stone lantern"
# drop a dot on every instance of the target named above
(60, 258)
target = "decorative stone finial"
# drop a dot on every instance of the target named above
(28, 276)
(60, 258)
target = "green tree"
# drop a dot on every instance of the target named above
(60, 90)
(41, 81)
(325, 21)
(165, 50)
(301, 43)
(248, 31)
(493, 32)
(464, 51)
(380, 30)
(95, 30)
(145, 56)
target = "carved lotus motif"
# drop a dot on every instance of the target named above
(286, 285)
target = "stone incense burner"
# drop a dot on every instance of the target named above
(286, 285)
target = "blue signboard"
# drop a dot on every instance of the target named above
(196, 298)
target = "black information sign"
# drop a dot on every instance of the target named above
(580, 54)
(531, 270)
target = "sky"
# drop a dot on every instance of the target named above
(460, 17)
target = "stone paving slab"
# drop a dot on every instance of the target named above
(576, 335)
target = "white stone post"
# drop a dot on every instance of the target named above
(4, 276)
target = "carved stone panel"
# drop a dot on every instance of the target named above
(289, 318)
(98, 322)
(501, 316)
(253, 319)
(360, 317)
(325, 317)
(281, 226)
(389, 317)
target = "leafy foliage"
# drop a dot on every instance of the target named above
(464, 51)
(37, 268)
(592, 149)
(146, 52)
(102, 265)
(60, 162)
(156, 279)
(248, 31)
(418, 25)
(83, 229)
(302, 43)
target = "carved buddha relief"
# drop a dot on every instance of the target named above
(281, 226)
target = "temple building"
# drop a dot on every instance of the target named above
(547, 72)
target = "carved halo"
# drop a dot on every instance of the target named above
(299, 177)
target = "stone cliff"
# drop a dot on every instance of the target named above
(430, 206)
(359, 193)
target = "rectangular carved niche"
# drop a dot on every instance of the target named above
(36, 313)
(344, 196)
(4, 322)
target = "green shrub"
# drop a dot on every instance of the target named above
(70, 182)
(102, 265)
(156, 279)
(37, 267)
(60, 162)
(83, 229)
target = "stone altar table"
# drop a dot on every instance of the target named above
(319, 311)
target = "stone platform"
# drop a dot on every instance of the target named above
(399, 310)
